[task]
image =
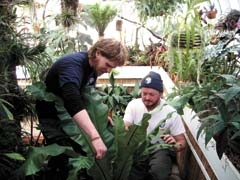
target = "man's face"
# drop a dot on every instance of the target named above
(150, 97)
(103, 65)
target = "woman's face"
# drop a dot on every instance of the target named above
(103, 65)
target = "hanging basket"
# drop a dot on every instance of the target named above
(181, 40)
(212, 14)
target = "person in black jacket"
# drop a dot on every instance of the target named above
(66, 78)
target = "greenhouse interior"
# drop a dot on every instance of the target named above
(120, 90)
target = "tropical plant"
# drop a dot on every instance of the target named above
(67, 35)
(4, 111)
(153, 8)
(152, 55)
(186, 44)
(121, 144)
(101, 16)
(217, 105)
(17, 48)
(69, 17)
(209, 13)
(215, 98)
(60, 43)
(116, 96)
(12, 150)
(222, 58)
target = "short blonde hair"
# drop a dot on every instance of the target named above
(111, 49)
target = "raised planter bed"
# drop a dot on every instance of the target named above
(129, 75)
(206, 157)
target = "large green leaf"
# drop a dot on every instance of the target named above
(231, 93)
(79, 163)
(4, 110)
(127, 144)
(15, 156)
(180, 102)
(101, 169)
(234, 142)
(213, 125)
(206, 122)
(38, 155)
(37, 90)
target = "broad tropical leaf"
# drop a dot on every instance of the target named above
(38, 155)
(127, 144)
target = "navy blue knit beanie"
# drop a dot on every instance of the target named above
(152, 80)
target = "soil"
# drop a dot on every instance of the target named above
(234, 158)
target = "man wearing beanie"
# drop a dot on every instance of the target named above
(165, 128)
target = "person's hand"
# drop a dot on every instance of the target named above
(169, 139)
(110, 120)
(99, 147)
(127, 124)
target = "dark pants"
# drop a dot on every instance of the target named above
(156, 166)
(58, 166)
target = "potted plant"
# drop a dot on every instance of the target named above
(155, 8)
(69, 13)
(210, 13)
(101, 16)
(186, 46)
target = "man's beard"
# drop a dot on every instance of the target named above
(150, 106)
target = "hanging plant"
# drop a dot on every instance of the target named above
(186, 39)
(153, 8)
(69, 13)
(207, 13)
(70, 5)
(67, 19)
(212, 13)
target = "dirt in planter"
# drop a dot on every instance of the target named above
(234, 158)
